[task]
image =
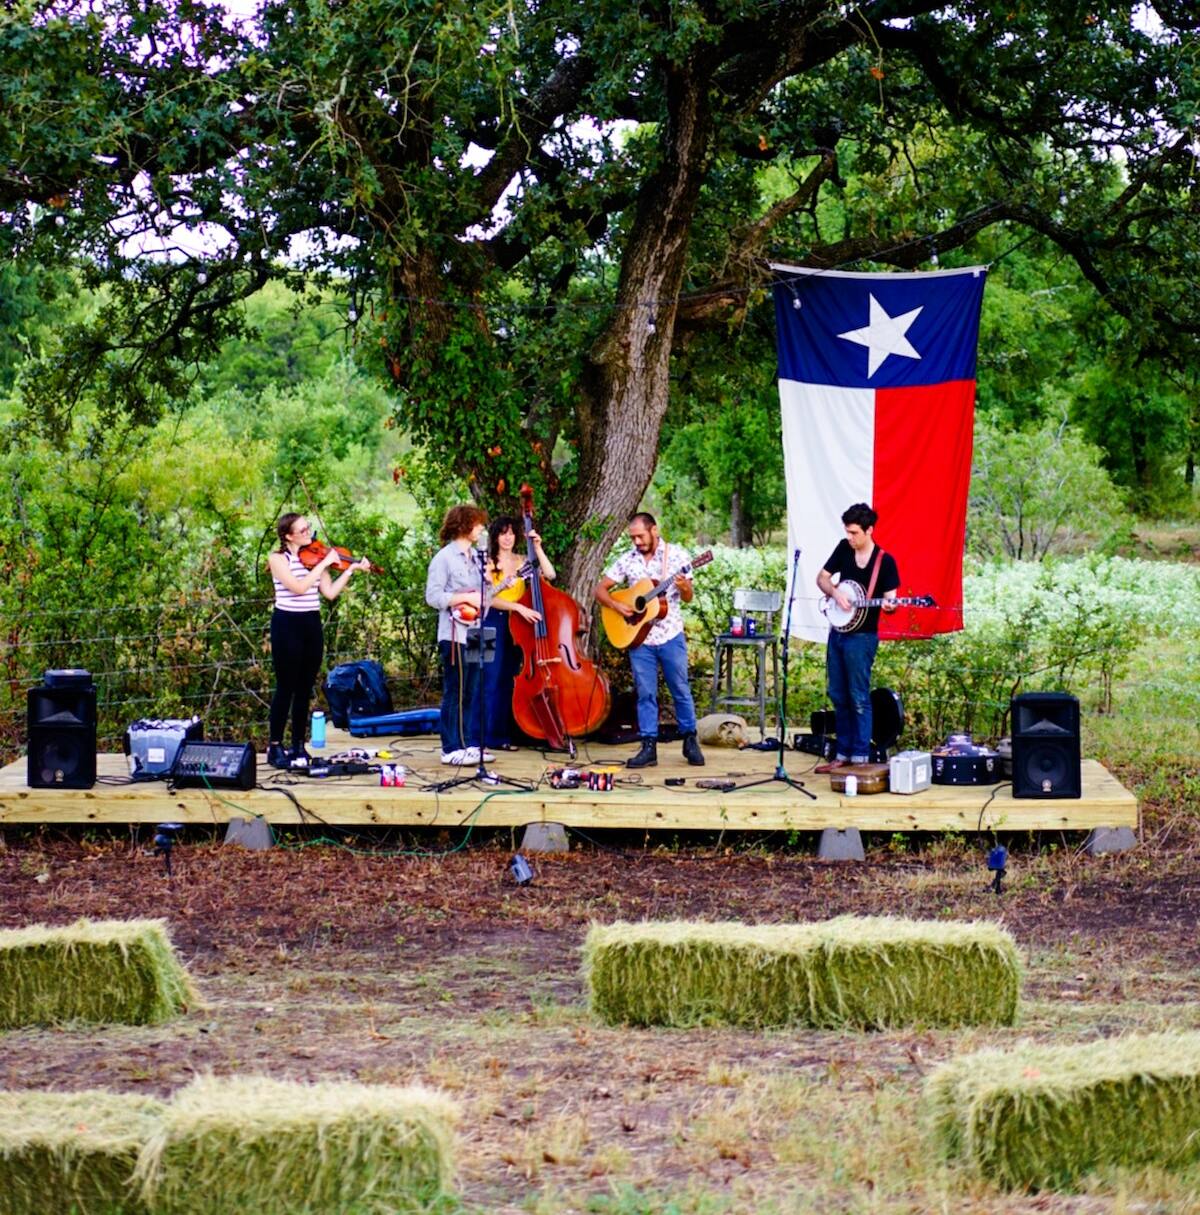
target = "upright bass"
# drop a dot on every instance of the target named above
(558, 694)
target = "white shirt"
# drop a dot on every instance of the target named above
(631, 567)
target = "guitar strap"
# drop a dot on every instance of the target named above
(875, 572)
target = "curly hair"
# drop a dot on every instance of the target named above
(460, 521)
(861, 515)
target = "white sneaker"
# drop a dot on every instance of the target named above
(456, 757)
(472, 756)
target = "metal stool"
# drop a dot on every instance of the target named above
(761, 606)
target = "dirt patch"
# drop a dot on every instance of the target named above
(318, 962)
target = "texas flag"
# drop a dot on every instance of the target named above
(877, 388)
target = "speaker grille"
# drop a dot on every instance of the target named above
(1045, 745)
(62, 737)
(62, 757)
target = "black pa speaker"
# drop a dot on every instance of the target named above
(1045, 745)
(61, 718)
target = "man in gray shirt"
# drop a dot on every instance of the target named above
(453, 587)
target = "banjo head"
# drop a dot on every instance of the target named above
(846, 621)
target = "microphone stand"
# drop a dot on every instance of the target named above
(780, 773)
(481, 773)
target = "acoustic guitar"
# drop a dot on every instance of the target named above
(649, 604)
(849, 620)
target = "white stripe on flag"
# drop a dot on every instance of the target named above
(829, 461)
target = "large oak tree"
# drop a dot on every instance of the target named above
(534, 205)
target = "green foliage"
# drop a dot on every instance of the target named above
(1028, 626)
(724, 445)
(1032, 490)
(466, 180)
(140, 555)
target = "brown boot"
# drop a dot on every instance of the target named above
(832, 766)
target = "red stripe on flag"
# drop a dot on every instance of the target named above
(923, 440)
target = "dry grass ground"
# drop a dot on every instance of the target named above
(321, 963)
(318, 963)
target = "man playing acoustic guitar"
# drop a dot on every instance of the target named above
(664, 645)
(849, 656)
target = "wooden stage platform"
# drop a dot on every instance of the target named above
(640, 799)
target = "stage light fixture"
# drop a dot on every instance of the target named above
(997, 861)
(165, 836)
(521, 870)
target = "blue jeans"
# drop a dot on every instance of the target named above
(460, 699)
(671, 656)
(848, 661)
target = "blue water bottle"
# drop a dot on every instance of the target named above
(318, 728)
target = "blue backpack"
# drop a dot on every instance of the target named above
(356, 689)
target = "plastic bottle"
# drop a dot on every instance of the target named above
(318, 728)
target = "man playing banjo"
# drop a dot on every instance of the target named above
(856, 563)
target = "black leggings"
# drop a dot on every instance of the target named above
(297, 647)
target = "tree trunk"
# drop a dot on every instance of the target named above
(621, 411)
(737, 522)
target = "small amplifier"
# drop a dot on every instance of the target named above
(221, 765)
(911, 771)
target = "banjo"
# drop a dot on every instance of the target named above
(848, 620)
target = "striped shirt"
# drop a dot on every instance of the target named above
(289, 601)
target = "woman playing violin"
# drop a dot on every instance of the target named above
(505, 566)
(297, 639)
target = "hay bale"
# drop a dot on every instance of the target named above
(93, 970)
(861, 973)
(256, 1144)
(880, 972)
(680, 972)
(72, 1151)
(1041, 1117)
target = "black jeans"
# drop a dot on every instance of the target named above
(297, 648)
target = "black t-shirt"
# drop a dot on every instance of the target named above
(842, 563)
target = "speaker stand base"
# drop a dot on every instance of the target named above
(1109, 839)
(840, 844)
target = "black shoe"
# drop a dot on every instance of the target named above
(692, 752)
(647, 757)
(298, 757)
(277, 757)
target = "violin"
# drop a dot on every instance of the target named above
(313, 553)
(559, 692)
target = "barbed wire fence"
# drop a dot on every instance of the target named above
(201, 653)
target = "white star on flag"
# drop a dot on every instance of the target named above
(884, 335)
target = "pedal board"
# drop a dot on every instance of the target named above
(216, 765)
(348, 768)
